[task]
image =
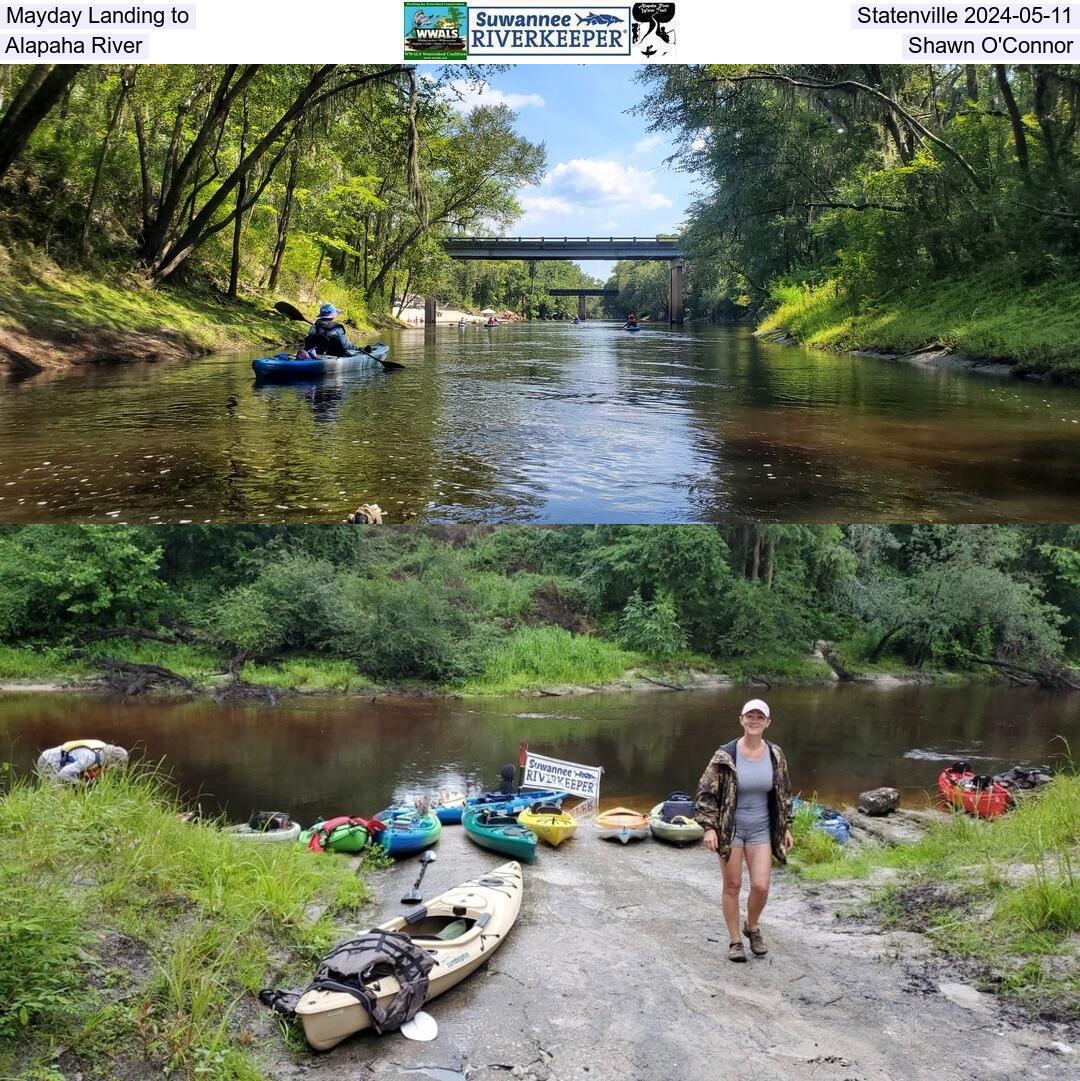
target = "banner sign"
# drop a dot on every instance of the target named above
(544, 772)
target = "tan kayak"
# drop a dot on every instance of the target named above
(461, 929)
(550, 824)
(622, 824)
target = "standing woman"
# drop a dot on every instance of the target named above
(744, 805)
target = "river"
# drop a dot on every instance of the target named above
(316, 756)
(543, 422)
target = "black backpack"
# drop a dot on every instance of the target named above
(364, 959)
(677, 804)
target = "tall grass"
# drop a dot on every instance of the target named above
(534, 657)
(107, 892)
(989, 314)
(1015, 879)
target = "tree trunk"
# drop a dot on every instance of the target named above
(283, 221)
(971, 74)
(27, 111)
(116, 122)
(756, 566)
(238, 224)
(175, 179)
(1019, 135)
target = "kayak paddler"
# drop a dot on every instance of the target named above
(79, 760)
(631, 320)
(327, 336)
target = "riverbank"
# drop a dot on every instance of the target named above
(837, 996)
(53, 319)
(573, 665)
(987, 323)
(157, 935)
(1000, 898)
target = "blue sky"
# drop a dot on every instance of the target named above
(605, 173)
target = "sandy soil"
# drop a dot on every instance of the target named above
(617, 969)
(415, 316)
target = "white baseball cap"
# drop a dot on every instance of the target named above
(755, 703)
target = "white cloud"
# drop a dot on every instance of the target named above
(544, 204)
(466, 96)
(589, 185)
(648, 144)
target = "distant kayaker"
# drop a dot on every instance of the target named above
(744, 805)
(631, 320)
(79, 760)
(327, 336)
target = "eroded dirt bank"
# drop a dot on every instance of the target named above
(617, 969)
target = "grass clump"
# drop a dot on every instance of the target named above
(985, 315)
(310, 674)
(154, 931)
(1006, 893)
(534, 657)
(812, 845)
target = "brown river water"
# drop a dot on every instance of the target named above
(543, 422)
(323, 756)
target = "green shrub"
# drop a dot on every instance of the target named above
(60, 579)
(408, 629)
(652, 627)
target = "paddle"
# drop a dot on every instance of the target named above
(414, 897)
(298, 316)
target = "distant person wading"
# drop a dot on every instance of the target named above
(744, 805)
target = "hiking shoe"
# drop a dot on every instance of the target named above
(757, 943)
(735, 952)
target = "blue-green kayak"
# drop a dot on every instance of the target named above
(285, 367)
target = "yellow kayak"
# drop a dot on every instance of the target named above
(550, 824)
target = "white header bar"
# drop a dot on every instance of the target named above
(681, 31)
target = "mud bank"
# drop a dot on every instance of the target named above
(932, 358)
(617, 969)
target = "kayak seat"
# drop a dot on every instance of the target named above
(452, 931)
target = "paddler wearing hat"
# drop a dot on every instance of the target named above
(744, 805)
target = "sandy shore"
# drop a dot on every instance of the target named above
(415, 316)
(617, 969)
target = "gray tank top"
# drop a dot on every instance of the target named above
(755, 782)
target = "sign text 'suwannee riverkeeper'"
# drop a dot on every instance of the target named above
(551, 31)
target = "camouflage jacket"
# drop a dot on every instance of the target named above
(718, 792)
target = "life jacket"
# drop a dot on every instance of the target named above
(375, 955)
(95, 745)
(321, 837)
(677, 804)
(319, 339)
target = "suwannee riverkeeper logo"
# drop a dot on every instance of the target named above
(459, 31)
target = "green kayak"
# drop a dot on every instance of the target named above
(500, 832)
(344, 834)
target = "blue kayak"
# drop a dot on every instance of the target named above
(827, 820)
(407, 830)
(631, 326)
(518, 801)
(284, 366)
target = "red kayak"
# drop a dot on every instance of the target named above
(976, 794)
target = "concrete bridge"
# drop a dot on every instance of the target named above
(575, 249)
(581, 294)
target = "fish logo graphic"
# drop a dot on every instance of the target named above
(598, 20)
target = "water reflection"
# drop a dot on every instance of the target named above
(544, 422)
(318, 756)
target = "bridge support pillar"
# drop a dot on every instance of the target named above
(675, 296)
(581, 308)
(429, 311)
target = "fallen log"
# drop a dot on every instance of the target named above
(131, 679)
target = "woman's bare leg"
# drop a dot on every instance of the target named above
(729, 902)
(759, 860)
